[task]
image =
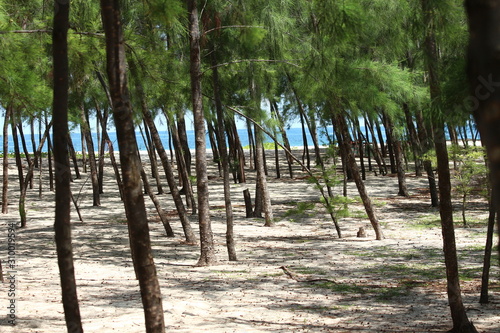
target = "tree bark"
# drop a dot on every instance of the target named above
(262, 189)
(207, 256)
(92, 163)
(5, 161)
(131, 168)
(224, 160)
(62, 220)
(398, 156)
(370, 211)
(484, 79)
(179, 204)
(459, 317)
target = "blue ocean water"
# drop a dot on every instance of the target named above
(294, 136)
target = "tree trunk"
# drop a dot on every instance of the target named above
(172, 184)
(163, 217)
(414, 140)
(92, 163)
(32, 135)
(370, 211)
(5, 161)
(181, 131)
(461, 322)
(286, 143)
(153, 160)
(131, 169)
(72, 153)
(398, 156)
(485, 278)
(390, 142)
(62, 220)
(262, 189)
(187, 187)
(19, 164)
(221, 139)
(207, 256)
(49, 162)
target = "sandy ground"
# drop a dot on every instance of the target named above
(359, 284)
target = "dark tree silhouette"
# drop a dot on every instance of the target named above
(62, 169)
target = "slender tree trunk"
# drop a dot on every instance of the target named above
(370, 211)
(485, 277)
(62, 225)
(414, 140)
(19, 164)
(183, 138)
(72, 154)
(92, 163)
(398, 156)
(390, 142)
(187, 187)
(207, 256)
(131, 169)
(84, 150)
(32, 135)
(49, 162)
(5, 161)
(285, 138)
(262, 189)
(102, 147)
(221, 139)
(461, 322)
(172, 184)
(152, 159)
(163, 217)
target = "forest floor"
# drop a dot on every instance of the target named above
(359, 284)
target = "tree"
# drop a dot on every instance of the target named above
(130, 164)
(484, 80)
(206, 237)
(62, 225)
(461, 322)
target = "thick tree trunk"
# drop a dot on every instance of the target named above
(5, 161)
(131, 169)
(62, 225)
(207, 256)
(484, 78)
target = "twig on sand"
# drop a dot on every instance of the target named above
(294, 276)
